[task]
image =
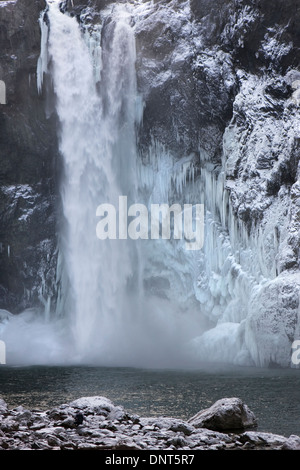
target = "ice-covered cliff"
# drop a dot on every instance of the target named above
(28, 168)
(218, 103)
(220, 85)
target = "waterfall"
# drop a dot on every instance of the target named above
(125, 297)
(136, 302)
(121, 297)
(97, 142)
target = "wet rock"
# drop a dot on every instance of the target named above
(3, 406)
(263, 440)
(151, 432)
(182, 427)
(293, 443)
(79, 418)
(23, 416)
(57, 414)
(226, 414)
(9, 425)
(68, 422)
(54, 441)
(97, 405)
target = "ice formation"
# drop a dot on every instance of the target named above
(154, 302)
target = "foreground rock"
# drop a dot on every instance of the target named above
(225, 415)
(95, 423)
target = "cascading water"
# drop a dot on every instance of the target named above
(112, 318)
(97, 141)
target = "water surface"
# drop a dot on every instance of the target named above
(272, 394)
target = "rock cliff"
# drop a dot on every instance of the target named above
(29, 164)
(219, 81)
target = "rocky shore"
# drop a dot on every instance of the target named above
(95, 423)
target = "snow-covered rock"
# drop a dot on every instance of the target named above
(57, 429)
(226, 414)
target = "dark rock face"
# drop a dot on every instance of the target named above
(186, 101)
(28, 172)
(241, 28)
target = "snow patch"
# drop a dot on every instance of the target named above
(7, 3)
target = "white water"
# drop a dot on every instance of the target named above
(112, 320)
(98, 148)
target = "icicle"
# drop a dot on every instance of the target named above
(42, 65)
(2, 92)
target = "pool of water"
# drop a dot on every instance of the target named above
(272, 394)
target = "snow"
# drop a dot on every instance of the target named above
(273, 46)
(95, 404)
(245, 286)
(223, 343)
(7, 3)
(273, 320)
(16, 191)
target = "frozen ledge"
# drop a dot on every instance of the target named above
(95, 423)
(7, 3)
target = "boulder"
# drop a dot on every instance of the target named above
(227, 414)
(3, 406)
(96, 405)
(134, 432)
(293, 443)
